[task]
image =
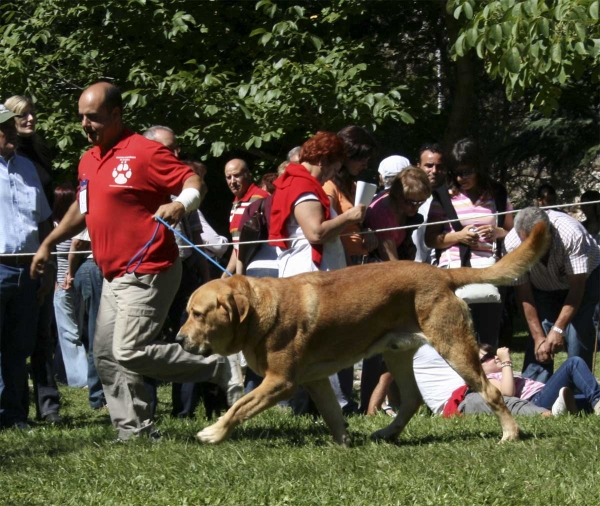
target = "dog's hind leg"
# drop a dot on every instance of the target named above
(400, 365)
(464, 359)
(324, 398)
(267, 394)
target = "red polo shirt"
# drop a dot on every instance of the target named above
(125, 188)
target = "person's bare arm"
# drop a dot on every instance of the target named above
(525, 299)
(570, 307)
(72, 223)
(75, 260)
(231, 265)
(47, 284)
(435, 237)
(507, 385)
(174, 211)
(317, 230)
(387, 250)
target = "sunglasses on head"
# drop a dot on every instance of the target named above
(487, 356)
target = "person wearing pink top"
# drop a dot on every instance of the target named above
(473, 239)
(572, 377)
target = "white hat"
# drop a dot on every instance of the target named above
(390, 167)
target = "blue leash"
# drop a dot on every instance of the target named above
(141, 253)
(160, 220)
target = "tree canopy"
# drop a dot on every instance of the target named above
(254, 79)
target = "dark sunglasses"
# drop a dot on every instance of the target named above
(464, 173)
(414, 203)
(487, 356)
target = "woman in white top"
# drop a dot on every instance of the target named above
(301, 210)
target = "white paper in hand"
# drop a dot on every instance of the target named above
(364, 193)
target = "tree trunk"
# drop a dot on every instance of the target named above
(461, 113)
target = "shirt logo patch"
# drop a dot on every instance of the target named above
(122, 173)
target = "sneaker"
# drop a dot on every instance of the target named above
(230, 379)
(565, 403)
(597, 408)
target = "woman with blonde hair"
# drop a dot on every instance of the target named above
(30, 144)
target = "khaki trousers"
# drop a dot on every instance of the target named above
(132, 311)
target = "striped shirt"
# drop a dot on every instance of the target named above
(62, 261)
(237, 210)
(525, 388)
(470, 214)
(573, 251)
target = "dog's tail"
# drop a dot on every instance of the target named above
(510, 267)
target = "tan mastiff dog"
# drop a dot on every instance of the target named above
(300, 330)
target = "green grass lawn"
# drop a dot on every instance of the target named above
(278, 459)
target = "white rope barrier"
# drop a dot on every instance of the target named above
(263, 241)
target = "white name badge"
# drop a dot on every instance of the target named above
(83, 197)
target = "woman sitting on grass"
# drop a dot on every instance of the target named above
(557, 394)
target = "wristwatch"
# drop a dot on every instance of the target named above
(557, 329)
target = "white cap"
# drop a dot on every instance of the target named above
(390, 167)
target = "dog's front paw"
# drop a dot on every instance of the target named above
(213, 434)
(510, 436)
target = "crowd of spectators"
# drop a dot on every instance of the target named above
(120, 282)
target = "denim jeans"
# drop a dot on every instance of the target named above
(19, 311)
(88, 283)
(575, 374)
(579, 335)
(67, 311)
(45, 389)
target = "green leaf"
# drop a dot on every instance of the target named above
(457, 11)
(545, 27)
(317, 42)
(217, 148)
(472, 35)
(257, 31)
(580, 48)
(496, 32)
(266, 38)
(556, 53)
(581, 31)
(594, 10)
(513, 60)
(459, 45)
(468, 10)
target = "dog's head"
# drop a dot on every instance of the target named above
(217, 318)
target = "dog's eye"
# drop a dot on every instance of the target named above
(197, 314)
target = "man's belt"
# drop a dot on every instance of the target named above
(20, 261)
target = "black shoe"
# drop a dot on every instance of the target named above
(19, 426)
(53, 418)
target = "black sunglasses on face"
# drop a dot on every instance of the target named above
(487, 356)
(414, 203)
(464, 173)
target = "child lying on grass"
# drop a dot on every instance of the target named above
(445, 392)
(557, 394)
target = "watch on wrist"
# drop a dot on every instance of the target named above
(558, 330)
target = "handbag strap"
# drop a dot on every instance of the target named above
(444, 199)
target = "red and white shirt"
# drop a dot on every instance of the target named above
(124, 190)
(239, 206)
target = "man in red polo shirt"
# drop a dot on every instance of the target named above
(240, 183)
(125, 181)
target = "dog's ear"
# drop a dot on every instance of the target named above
(243, 306)
(236, 305)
